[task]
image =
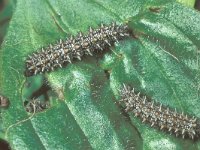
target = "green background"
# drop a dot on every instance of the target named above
(161, 61)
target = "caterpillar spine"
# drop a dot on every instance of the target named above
(159, 116)
(63, 52)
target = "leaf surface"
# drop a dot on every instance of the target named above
(161, 61)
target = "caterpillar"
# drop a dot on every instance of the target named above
(63, 52)
(159, 116)
(4, 102)
(36, 105)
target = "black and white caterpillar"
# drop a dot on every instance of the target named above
(63, 52)
(158, 116)
(36, 105)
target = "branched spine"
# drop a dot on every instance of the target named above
(63, 52)
(158, 116)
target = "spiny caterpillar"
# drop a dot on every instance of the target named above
(4, 102)
(158, 116)
(36, 105)
(63, 52)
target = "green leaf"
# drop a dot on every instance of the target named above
(187, 2)
(92, 103)
(161, 62)
(6, 11)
